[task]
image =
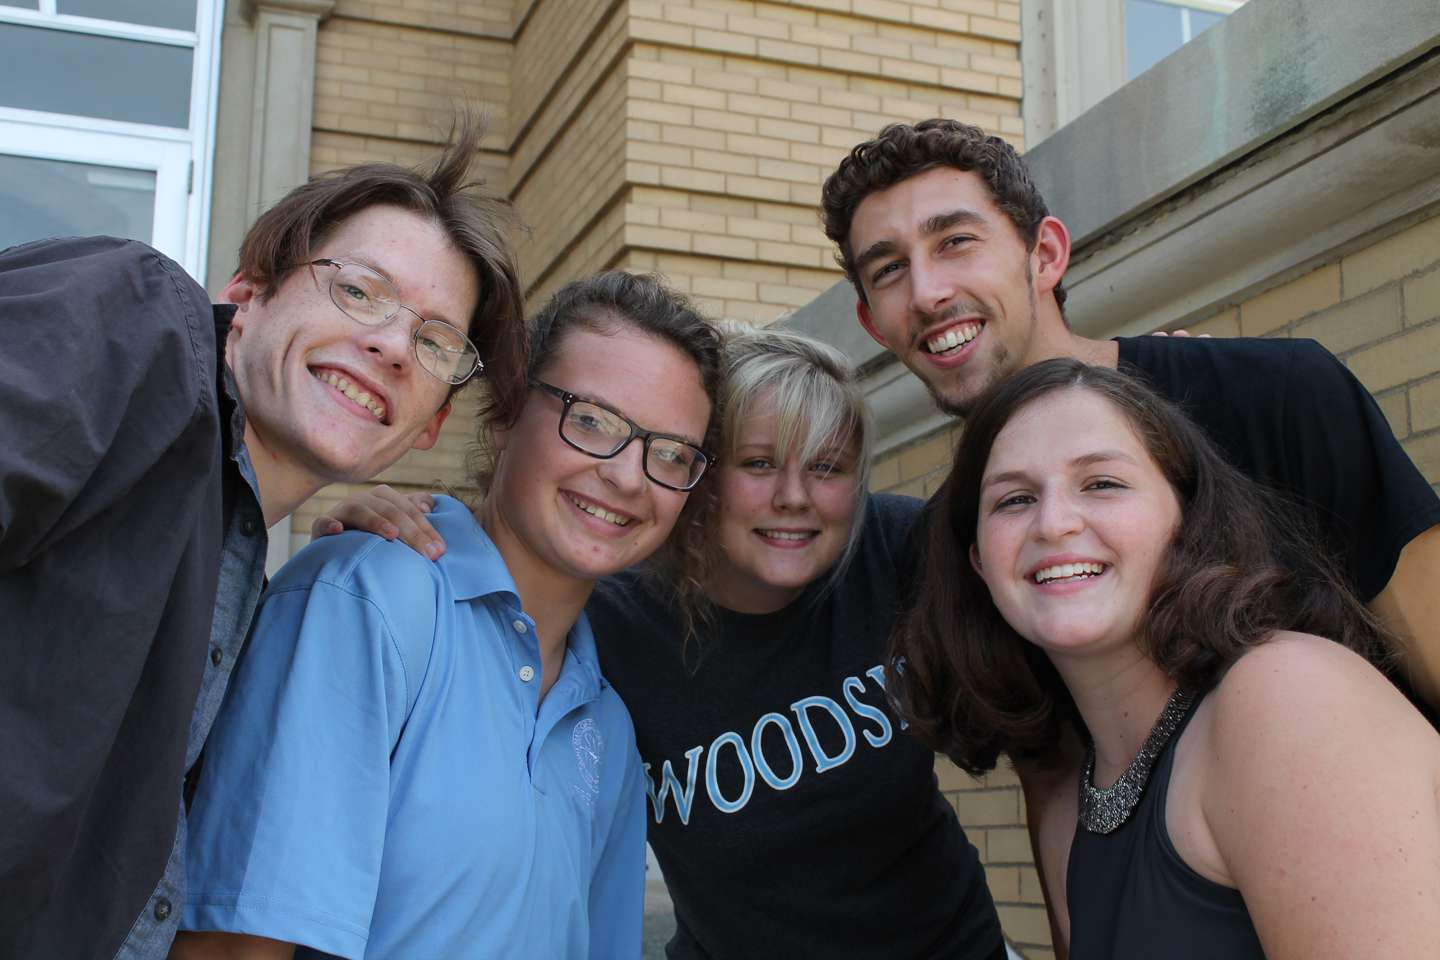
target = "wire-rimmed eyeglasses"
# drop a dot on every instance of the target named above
(367, 297)
(594, 429)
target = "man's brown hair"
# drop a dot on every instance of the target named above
(477, 222)
(902, 151)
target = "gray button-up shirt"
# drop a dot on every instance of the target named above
(242, 573)
(124, 490)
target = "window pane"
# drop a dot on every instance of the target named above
(175, 14)
(62, 72)
(53, 198)
(1202, 20)
(1152, 33)
(26, 4)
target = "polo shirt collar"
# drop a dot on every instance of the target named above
(472, 562)
(476, 569)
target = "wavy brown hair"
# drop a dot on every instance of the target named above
(477, 222)
(904, 150)
(1242, 565)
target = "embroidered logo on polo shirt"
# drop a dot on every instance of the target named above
(589, 748)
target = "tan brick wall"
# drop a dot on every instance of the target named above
(1378, 310)
(688, 137)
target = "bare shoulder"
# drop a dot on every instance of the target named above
(1319, 790)
(1299, 706)
(1299, 676)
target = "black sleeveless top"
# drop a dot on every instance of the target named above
(1132, 896)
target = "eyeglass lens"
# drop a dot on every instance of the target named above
(368, 298)
(596, 430)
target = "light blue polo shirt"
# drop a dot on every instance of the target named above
(384, 781)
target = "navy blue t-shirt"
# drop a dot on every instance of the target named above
(790, 814)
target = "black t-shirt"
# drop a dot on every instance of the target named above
(1133, 897)
(790, 815)
(1288, 413)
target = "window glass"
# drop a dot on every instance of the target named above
(1200, 21)
(25, 4)
(53, 198)
(1153, 31)
(175, 14)
(62, 72)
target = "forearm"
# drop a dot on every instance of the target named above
(212, 945)
(1410, 607)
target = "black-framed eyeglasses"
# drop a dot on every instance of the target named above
(595, 429)
(365, 296)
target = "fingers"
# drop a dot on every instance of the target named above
(325, 526)
(386, 512)
(361, 511)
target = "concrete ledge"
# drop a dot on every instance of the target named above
(1368, 165)
(1266, 69)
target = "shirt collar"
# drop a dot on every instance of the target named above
(232, 411)
(472, 562)
(475, 569)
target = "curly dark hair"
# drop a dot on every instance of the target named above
(477, 222)
(1243, 564)
(903, 150)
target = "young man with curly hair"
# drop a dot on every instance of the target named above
(959, 268)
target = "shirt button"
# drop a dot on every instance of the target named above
(162, 909)
(527, 673)
(520, 626)
(248, 527)
(216, 655)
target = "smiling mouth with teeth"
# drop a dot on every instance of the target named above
(953, 338)
(600, 512)
(786, 534)
(352, 392)
(1068, 571)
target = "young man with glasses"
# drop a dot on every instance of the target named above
(150, 440)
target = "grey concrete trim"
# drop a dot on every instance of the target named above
(831, 317)
(1072, 56)
(1267, 68)
(265, 108)
(320, 9)
(284, 97)
(1307, 198)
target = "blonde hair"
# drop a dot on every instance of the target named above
(814, 393)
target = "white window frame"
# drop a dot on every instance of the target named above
(181, 158)
(168, 158)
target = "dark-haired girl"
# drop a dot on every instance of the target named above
(1248, 789)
